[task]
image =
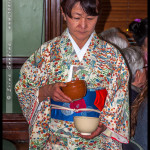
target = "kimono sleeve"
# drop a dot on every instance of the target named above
(33, 75)
(115, 114)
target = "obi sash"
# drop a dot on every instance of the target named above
(87, 106)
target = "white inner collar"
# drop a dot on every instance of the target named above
(80, 52)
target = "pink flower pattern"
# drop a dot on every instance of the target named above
(78, 104)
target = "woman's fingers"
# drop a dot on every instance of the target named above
(97, 132)
(58, 95)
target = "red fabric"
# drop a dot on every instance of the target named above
(78, 104)
(100, 99)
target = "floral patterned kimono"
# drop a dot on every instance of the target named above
(102, 67)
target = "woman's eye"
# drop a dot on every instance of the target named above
(76, 18)
(90, 18)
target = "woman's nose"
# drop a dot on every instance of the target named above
(83, 23)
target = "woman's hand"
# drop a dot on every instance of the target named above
(101, 127)
(54, 91)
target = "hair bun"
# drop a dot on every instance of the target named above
(134, 27)
(139, 28)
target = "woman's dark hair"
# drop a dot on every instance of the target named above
(135, 108)
(91, 7)
(139, 30)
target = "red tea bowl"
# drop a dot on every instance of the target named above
(75, 89)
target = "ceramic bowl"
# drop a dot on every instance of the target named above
(86, 125)
(75, 89)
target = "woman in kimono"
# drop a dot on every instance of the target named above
(77, 54)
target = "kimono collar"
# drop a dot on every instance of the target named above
(80, 52)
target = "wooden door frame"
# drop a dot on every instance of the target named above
(53, 19)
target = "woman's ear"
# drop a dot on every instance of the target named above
(63, 14)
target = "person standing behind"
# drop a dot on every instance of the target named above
(139, 29)
(138, 99)
(115, 37)
(99, 63)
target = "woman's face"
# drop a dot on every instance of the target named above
(140, 78)
(80, 25)
(145, 45)
(145, 50)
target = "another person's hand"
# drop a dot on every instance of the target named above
(101, 127)
(54, 91)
